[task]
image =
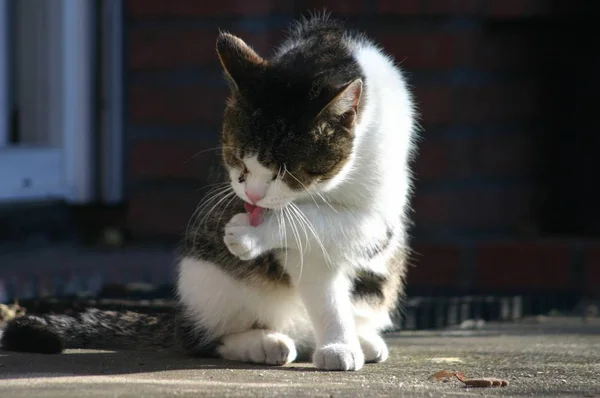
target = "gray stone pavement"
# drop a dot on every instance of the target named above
(553, 357)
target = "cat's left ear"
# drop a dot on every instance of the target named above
(345, 103)
(239, 61)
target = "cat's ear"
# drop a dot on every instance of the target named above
(345, 103)
(238, 59)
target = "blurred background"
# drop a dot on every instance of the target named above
(110, 111)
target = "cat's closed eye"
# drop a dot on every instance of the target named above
(314, 173)
(242, 177)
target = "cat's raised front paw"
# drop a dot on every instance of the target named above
(339, 357)
(241, 238)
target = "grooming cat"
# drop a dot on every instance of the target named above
(304, 249)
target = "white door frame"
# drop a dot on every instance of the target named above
(63, 171)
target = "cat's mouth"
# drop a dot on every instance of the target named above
(257, 213)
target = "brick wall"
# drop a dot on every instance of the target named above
(476, 68)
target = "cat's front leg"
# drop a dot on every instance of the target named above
(326, 296)
(243, 240)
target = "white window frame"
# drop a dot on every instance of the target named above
(63, 172)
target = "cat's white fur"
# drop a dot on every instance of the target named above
(366, 197)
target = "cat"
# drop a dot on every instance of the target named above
(305, 248)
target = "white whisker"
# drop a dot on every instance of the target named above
(209, 149)
(298, 241)
(208, 198)
(304, 186)
(216, 206)
(314, 233)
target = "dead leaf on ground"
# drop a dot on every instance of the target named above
(446, 375)
(442, 375)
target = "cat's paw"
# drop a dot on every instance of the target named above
(278, 349)
(374, 348)
(339, 357)
(241, 238)
(269, 348)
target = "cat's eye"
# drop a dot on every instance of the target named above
(242, 177)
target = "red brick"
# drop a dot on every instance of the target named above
(497, 156)
(503, 50)
(436, 265)
(172, 48)
(336, 6)
(434, 210)
(524, 265)
(435, 104)
(161, 212)
(164, 48)
(176, 159)
(502, 156)
(434, 160)
(441, 158)
(423, 7)
(495, 50)
(517, 8)
(480, 207)
(180, 105)
(592, 277)
(198, 8)
(452, 7)
(420, 50)
(517, 102)
(409, 7)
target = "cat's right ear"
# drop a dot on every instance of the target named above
(240, 62)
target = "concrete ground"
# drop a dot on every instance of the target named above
(552, 357)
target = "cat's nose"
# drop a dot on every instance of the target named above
(254, 197)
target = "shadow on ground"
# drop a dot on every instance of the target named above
(545, 360)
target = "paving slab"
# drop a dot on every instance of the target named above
(544, 358)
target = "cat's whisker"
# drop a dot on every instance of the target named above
(314, 233)
(217, 193)
(326, 202)
(214, 192)
(216, 206)
(209, 149)
(298, 241)
(278, 217)
(221, 193)
(304, 186)
(285, 238)
(218, 184)
(202, 204)
(282, 231)
(226, 207)
(295, 216)
(317, 238)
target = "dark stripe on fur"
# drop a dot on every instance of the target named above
(381, 246)
(368, 286)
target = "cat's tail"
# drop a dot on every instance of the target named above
(93, 328)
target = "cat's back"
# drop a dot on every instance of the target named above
(328, 47)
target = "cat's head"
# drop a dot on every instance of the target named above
(288, 127)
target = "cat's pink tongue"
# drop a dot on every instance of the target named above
(257, 214)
